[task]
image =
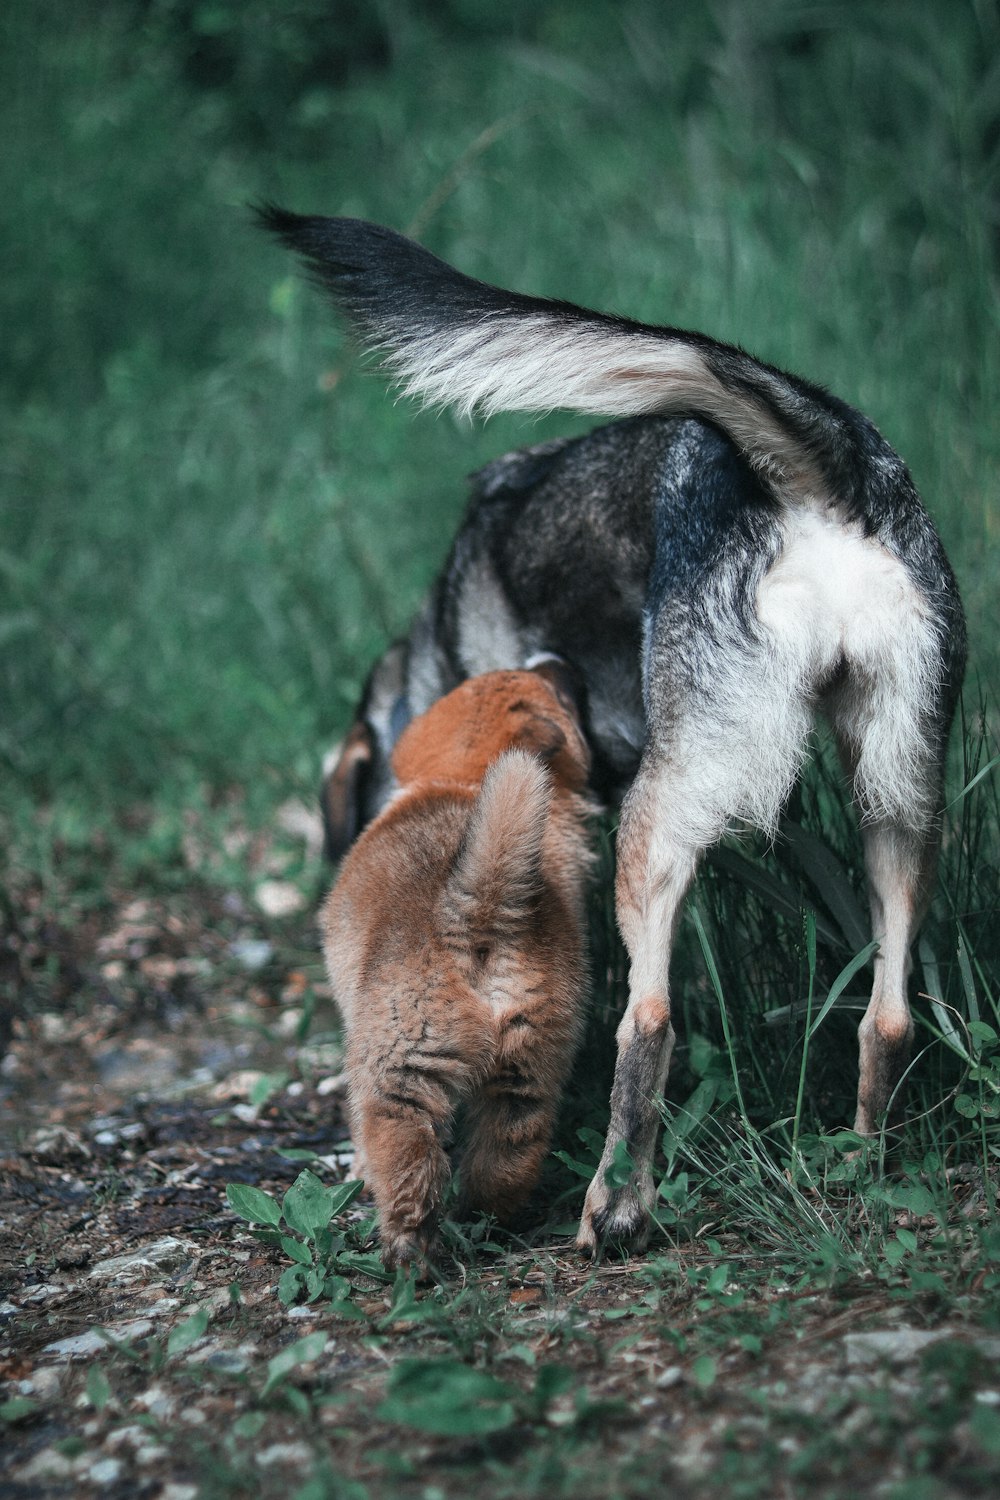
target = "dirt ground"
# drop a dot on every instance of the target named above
(175, 1044)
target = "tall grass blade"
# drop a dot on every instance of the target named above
(841, 982)
(778, 892)
(830, 880)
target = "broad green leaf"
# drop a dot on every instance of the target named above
(97, 1388)
(18, 1409)
(266, 1085)
(251, 1204)
(582, 1169)
(295, 1250)
(308, 1205)
(302, 1352)
(621, 1169)
(552, 1381)
(188, 1332)
(845, 1140)
(405, 1304)
(449, 1398)
(367, 1264)
(345, 1194)
(290, 1284)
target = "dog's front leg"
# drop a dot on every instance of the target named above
(400, 1125)
(654, 873)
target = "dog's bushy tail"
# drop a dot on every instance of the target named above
(498, 872)
(459, 342)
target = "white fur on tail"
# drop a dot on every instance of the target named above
(538, 362)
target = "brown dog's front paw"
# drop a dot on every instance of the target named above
(613, 1216)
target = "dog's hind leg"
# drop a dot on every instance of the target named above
(510, 1131)
(900, 866)
(512, 1113)
(894, 750)
(891, 710)
(727, 732)
(654, 873)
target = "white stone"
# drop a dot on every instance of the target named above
(160, 1255)
(279, 898)
(93, 1341)
(44, 1382)
(49, 1464)
(157, 1400)
(105, 1471)
(284, 1453)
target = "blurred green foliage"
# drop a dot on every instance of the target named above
(211, 520)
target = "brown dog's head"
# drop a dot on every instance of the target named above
(460, 736)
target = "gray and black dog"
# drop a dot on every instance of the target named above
(740, 551)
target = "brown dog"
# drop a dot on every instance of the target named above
(456, 945)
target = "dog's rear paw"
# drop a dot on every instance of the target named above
(406, 1252)
(613, 1216)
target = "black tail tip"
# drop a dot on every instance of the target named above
(281, 222)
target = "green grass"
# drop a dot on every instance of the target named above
(212, 519)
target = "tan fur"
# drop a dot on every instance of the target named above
(455, 943)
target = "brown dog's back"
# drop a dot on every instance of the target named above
(455, 944)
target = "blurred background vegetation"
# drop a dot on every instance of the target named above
(212, 517)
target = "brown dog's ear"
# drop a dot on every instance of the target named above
(340, 796)
(542, 737)
(564, 681)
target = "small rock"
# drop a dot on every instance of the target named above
(903, 1345)
(132, 1436)
(284, 1453)
(279, 898)
(159, 1308)
(672, 1375)
(150, 1454)
(49, 1464)
(252, 953)
(56, 1142)
(93, 1341)
(105, 1471)
(161, 1255)
(332, 1085)
(44, 1383)
(37, 1294)
(158, 1401)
